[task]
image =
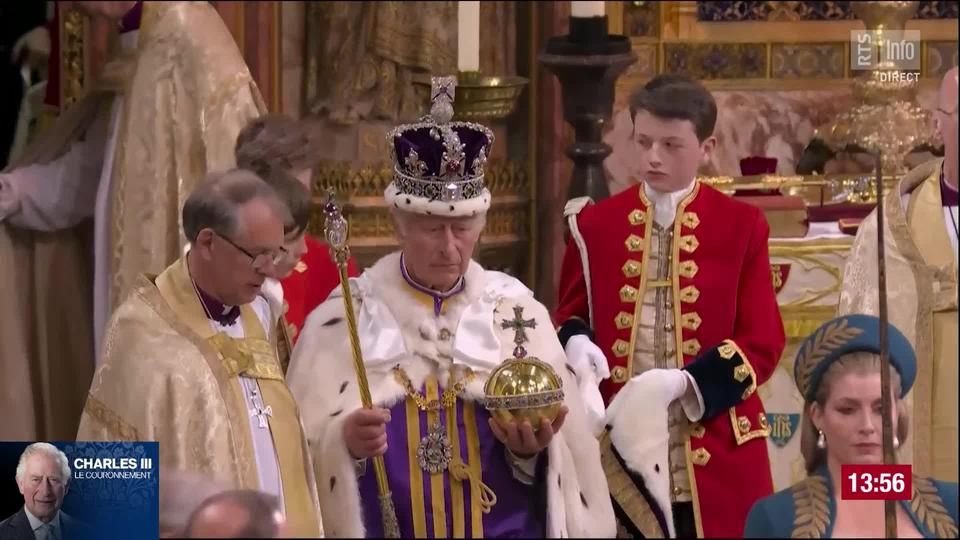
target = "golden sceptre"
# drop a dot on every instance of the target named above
(336, 231)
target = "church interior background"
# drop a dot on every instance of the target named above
(780, 73)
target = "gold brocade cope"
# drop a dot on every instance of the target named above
(188, 96)
(167, 375)
(929, 230)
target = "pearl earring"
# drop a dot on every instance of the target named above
(896, 442)
(821, 441)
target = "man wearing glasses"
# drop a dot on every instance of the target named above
(920, 228)
(190, 357)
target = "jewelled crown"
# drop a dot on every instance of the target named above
(438, 165)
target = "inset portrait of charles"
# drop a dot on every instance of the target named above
(43, 478)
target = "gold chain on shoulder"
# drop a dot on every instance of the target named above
(447, 399)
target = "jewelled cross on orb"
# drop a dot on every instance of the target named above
(519, 326)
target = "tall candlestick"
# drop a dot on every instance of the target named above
(586, 9)
(468, 36)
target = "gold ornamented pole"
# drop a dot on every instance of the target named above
(336, 230)
(886, 423)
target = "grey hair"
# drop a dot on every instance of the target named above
(859, 363)
(214, 204)
(50, 450)
(263, 512)
(401, 218)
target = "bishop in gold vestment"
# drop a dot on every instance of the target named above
(168, 376)
(920, 242)
(191, 357)
(921, 260)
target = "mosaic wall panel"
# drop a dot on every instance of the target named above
(711, 61)
(804, 11)
(806, 60)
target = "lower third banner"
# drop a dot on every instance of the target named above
(80, 490)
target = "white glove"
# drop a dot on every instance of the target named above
(584, 355)
(9, 198)
(590, 366)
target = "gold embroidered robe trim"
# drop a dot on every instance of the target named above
(626, 493)
(164, 377)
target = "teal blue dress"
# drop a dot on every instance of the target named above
(807, 509)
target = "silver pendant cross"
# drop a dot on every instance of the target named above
(258, 409)
(262, 413)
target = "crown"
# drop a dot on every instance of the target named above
(438, 165)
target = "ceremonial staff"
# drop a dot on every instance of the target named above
(336, 230)
(886, 423)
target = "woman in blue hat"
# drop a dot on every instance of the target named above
(838, 373)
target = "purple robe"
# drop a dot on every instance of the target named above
(514, 515)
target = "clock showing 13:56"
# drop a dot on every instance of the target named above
(876, 482)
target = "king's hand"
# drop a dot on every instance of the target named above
(365, 432)
(520, 438)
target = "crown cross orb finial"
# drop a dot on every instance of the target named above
(442, 91)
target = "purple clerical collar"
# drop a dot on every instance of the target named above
(131, 20)
(948, 195)
(217, 311)
(438, 297)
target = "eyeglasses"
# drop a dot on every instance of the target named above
(257, 262)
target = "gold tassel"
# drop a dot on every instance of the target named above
(478, 489)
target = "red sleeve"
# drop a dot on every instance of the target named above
(352, 267)
(758, 338)
(572, 301)
(758, 329)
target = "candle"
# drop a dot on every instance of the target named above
(586, 9)
(468, 36)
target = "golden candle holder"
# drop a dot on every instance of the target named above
(886, 117)
(481, 98)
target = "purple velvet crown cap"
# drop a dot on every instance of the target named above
(429, 150)
(438, 165)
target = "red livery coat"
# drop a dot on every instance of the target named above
(723, 300)
(309, 284)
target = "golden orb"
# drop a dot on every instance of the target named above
(524, 388)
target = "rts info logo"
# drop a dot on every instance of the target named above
(894, 54)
